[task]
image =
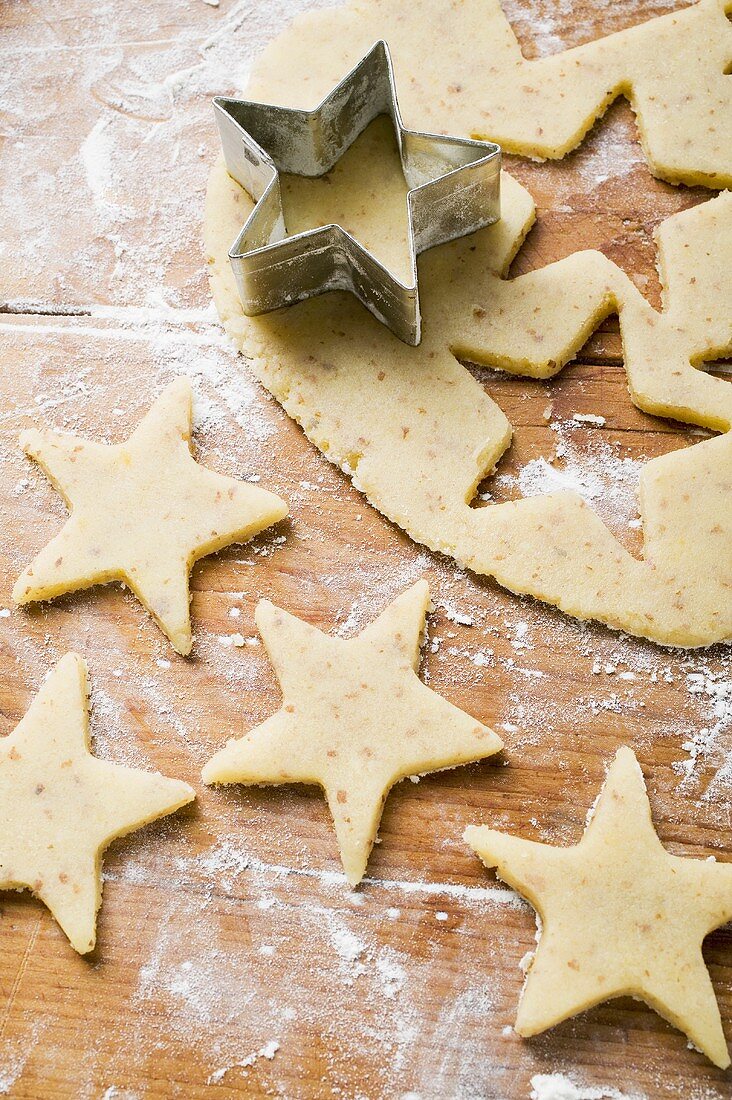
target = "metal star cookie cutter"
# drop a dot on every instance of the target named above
(453, 191)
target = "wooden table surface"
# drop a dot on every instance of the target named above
(232, 960)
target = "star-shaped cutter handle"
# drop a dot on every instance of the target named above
(454, 189)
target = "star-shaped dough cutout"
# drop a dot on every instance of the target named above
(619, 916)
(355, 719)
(142, 511)
(60, 806)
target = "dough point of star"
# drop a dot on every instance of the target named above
(355, 719)
(620, 916)
(60, 807)
(142, 511)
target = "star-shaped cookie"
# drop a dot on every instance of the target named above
(355, 719)
(142, 511)
(60, 806)
(619, 916)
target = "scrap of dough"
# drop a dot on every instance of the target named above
(60, 807)
(619, 916)
(418, 433)
(142, 511)
(355, 719)
(459, 70)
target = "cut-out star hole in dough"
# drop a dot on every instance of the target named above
(60, 807)
(142, 511)
(418, 433)
(460, 70)
(619, 916)
(355, 719)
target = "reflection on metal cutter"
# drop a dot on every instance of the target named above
(453, 190)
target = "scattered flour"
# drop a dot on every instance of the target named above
(596, 471)
(15, 1052)
(555, 1086)
(268, 1051)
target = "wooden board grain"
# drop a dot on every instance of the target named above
(227, 930)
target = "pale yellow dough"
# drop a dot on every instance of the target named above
(355, 719)
(142, 511)
(418, 433)
(619, 916)
(459, 70)
(60, 807)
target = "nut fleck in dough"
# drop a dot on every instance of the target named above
(418, 433)
(619, 916)
(142, 511)
(459, 70)
(355, 719)
(60, 807)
